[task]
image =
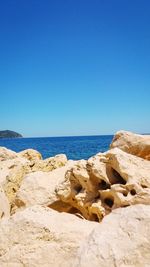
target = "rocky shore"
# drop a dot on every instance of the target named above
(59, 212)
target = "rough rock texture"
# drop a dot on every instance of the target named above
(135, 144)
(39, 188)
(121, 240)
(15, 166)
(12, 173)
(49, 164)
(41, 236)
(30, 154)
(6, 154)
(107, 181)
(4, 204)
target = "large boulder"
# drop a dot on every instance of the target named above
(135, 144)
(39, 188)
(16, 166)
(41, 236)
(121, 240)
(105, 182)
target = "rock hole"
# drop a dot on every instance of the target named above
(103, 185)
(94, 218)
(2, 215)
(109, 202)
(78, 188)
(133, 192)
(144, 186)
(14, 190)
(125, 194)
(117, 178)
(60, 206)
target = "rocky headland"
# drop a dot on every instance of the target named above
(60, 212)
(9, 134)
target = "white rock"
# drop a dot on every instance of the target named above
(41, 236)
(39, 188)
(121, 240)
(136, 144)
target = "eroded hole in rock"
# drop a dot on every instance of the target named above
(109, 202)
(78, 188)
(94, 218)
(144, 186)
(60, 206)
(14, 190)
(133, 192)
(103, 185)
(117, 179)
(76, 212)
(125, 194)
(2, 215)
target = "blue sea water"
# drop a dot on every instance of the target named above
(75, 147)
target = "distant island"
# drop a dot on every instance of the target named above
(9, 134)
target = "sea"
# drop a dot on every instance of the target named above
(75, 147)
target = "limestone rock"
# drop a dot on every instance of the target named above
(6, 154)
(13, 171)
(4, 204)
(135, 144)
(30, 154)
(41, 236)
(49, 164)
(105, 182)
(39, 188)
(80, 190)
(121, 240)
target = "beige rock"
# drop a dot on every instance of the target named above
(41, 236)
(4, 204)
(131, 143)
(13, 171)
(49, 164)
(11, 175)
(13, 182)
(39, 188)
(30, 154)
(106, 182)
(6, 154)
(80, 189)
(121, 240)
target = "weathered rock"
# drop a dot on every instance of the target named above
(121, 240)
(41, 236)
(131, 143)
(4, 204)
(80, 190)
(39, 188)
(6, 154)
(30, 154)
(13, 171)
(49, 164)
(11, 175)
(107, 181)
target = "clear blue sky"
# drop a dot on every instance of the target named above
(74, 67)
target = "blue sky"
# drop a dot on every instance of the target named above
(74, 67)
